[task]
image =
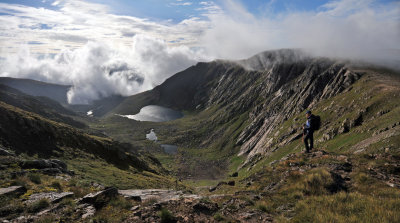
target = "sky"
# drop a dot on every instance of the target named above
(104, 47)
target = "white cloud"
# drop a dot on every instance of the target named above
(98, 70)
(347, 28)
(209, 8)
(182, 3)
(94, 44)
(76, 21)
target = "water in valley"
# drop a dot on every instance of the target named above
(170, 149)
(155, 113)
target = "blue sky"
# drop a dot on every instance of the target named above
(178, 10)
(52, 25)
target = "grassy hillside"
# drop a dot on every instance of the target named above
(92, 157)
(362, 120)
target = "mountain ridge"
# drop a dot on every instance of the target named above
(56, 92)
(258, 101)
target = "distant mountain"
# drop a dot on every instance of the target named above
(58, 93)
(38, 88)
(43, 106)
(192, 88)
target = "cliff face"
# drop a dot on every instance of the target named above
(289, 89)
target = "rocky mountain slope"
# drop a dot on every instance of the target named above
(255, 108)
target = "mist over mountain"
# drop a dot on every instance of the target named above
(98, 70)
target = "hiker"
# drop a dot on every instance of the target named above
(308, 131)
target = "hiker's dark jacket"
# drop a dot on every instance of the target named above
(309, 127)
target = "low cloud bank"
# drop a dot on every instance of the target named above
(99, 70)
(351, 29)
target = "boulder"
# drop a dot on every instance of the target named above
(99, 199)
(53, 197)
(218, 185)
(12, 191)
(157, 194)
(212, 189)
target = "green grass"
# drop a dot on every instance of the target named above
(348, 207)
(235, 162)
(38, 205)
(166, 216)
(35, 178)
(116, 210)
(345, 141)
(264, 207)
(313, 200)
(46, 219)
(201, 183)
(109, 175)
(196, 125)
(218, 217)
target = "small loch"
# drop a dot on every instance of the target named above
(170, 149)
(155, 113)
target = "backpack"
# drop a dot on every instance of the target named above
(316, 122)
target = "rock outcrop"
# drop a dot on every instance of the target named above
(155, 194)
(53, 197)
(12, 191)
(291, 88)
(100, 198)
(50, 167)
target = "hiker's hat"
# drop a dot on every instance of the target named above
(308, 112)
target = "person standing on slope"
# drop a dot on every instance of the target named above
(308, 131)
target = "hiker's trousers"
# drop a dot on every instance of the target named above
(309, 140)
